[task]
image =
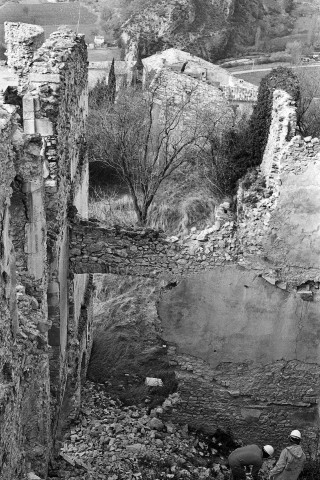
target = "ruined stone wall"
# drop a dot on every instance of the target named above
(278, 211)
(9, 438)
(56, 107)
(46, 314)
(22, 40)
(25, 396)
(244, 337)
(241, 327)
(282, 129)
(144, 252)
(241, 324)
(245, 354)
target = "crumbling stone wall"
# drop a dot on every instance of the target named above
(24, 362)
(243, 355)
(241, 325)
(46, 314)
(144, 252)
(241, 328)
(22, 40)
(244, 338)
(56, 107)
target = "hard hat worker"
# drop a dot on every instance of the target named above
(291, 460)
(250, 455)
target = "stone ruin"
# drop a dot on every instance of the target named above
(46, 312)
(255, 374)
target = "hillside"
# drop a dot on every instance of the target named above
(217, 29)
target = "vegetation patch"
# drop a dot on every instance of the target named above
(281, 78)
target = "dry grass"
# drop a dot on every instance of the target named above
(112, 208)
(179, 205)
(180, 214)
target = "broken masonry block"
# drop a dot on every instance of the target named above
(269, 279)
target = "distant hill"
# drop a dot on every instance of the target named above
(215, 29)
(49, 16)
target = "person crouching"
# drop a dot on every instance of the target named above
(249, 455)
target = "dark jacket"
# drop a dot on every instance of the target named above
(290, 464)
(245, 456)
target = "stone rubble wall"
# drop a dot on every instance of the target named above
(282, 129)
(236, 376)
(9, 436)
(253, 402)
(55, 107)
(47, 254)
(278, 210)
(144, 252)
(22, 40)
(24, 366)
(46, 314)
(244, 380)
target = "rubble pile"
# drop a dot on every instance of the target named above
(112, 442)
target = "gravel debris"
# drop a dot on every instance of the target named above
(113, 442)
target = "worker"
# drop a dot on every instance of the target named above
(291, 460)
(250, 455)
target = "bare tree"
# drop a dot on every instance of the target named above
(145, 137)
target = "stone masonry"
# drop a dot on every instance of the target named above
(241, 325)
(46, 313)
(244, 337)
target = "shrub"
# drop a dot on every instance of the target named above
(227, 160)
(279, 78)
(99, 94)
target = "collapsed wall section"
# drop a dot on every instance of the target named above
(244, 338)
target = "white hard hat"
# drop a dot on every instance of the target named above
(295, 434)
(269, 450)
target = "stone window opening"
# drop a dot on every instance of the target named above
(12, 97)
